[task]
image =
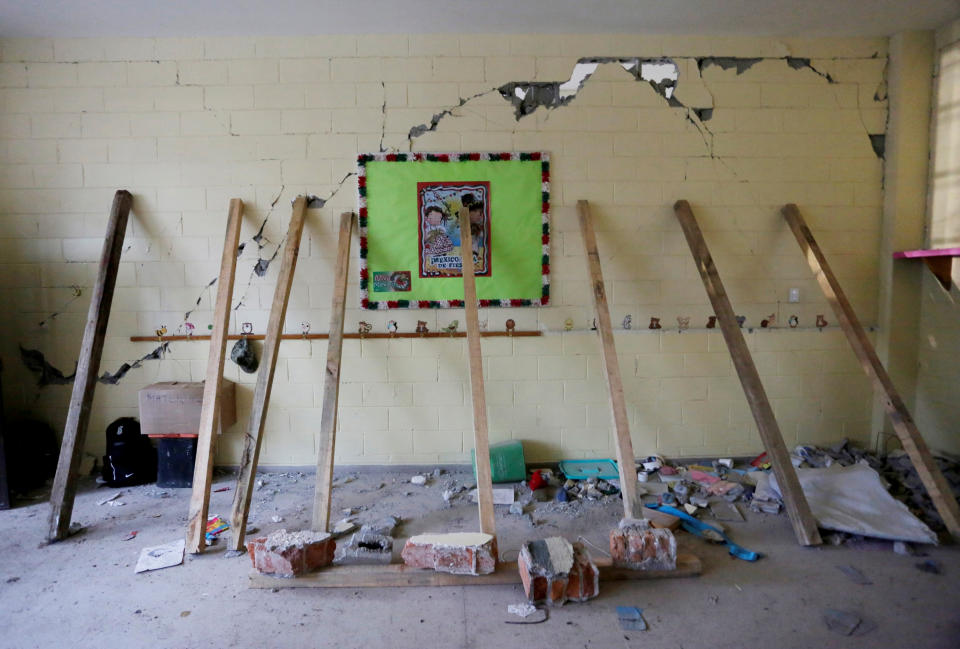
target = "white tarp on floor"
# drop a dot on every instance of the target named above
(853, 499)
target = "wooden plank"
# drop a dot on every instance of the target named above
(4, 482)
(268, 364)
(626, 462)
(429, 334)
(88, 364)
(210, 410)
(903, 424)
(331, 382)
(804, 525)
(481, 442)
(398, 575)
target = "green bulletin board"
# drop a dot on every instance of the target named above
(409, 228)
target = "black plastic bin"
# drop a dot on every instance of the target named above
(175, 460)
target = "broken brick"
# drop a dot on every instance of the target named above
(460, 553)
(636, 545)
(289, 554)
(555, 571)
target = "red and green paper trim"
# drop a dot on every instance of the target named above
(362, 161)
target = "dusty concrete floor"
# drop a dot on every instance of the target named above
(83, 592)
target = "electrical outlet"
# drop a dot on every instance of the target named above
(794, 295)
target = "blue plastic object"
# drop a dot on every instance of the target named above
(583, 469)
(697, 527)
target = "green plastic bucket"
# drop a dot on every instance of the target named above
(506, 462)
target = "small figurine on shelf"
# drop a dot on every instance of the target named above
(712, 322)
(654, 323)
(740, 320)
(769, 321)
(188, 328)
(364, 328)
(422, 327)
(793, 321)
(683, 322)
(452, 327)
(628, 322)
(568, 324)
(162, 330)
(246, 328)
(392, 327)
(510, 325)
(304, 328)
(821, 321)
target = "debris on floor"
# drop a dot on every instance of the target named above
(631, 618)
(459, 553)
(215, 527)
(555, 571)
(372, 543)
(161, 556)
(854, 499)
(846, 622)
(524, 609)
(930, 565)
(110, 498)
(289, 554)
(855, 575)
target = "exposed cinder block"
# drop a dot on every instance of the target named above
(460, 553)
(555, 571)
(637, 545)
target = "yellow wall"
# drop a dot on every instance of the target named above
(938, 384)
(186, 124)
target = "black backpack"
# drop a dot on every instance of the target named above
(130, 458)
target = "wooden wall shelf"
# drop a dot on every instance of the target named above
(431, 334)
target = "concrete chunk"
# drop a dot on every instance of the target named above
(555, 571)
(638, 546)
(288, 554)
(460, 553)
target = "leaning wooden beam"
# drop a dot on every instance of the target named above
(625, 458)
(331, 382)
(268, 363)
(903, 424)
(804, 525)
(400, 575)
(85, 378)
(481, 442)
(210, 408)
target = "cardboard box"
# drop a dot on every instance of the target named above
(172, 408)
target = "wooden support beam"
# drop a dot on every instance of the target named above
(398, 575)
(481, 442)
(4, 481)
(268, 364)
(210, 408)
(804, 525)
(903, 424)
(611, 365)
(88, 364)
(331, 383)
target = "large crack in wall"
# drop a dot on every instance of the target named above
(662, 74)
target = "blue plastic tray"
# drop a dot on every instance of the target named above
(583, 469)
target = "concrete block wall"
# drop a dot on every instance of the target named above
(186, 124)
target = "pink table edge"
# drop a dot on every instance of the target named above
(920, 254)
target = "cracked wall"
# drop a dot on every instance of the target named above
(736, 126)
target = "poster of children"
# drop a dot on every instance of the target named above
(439, 205)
